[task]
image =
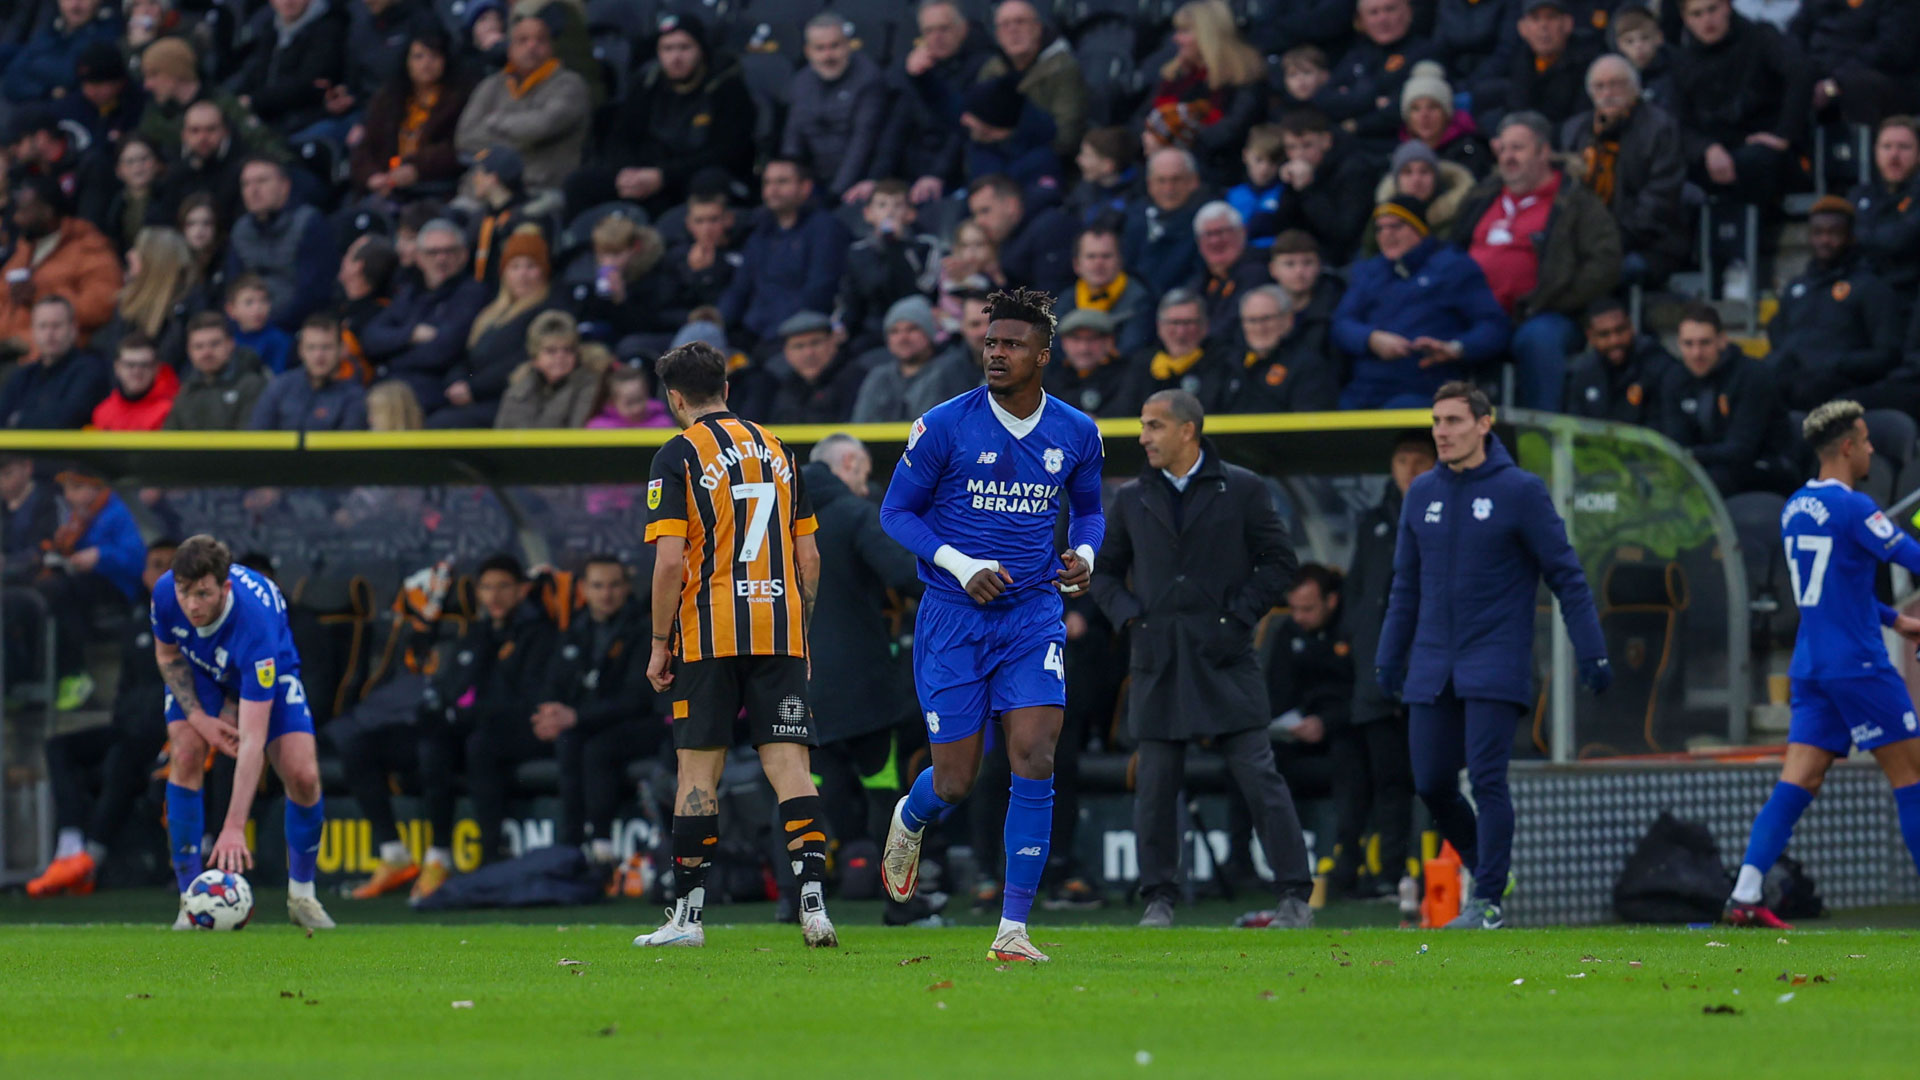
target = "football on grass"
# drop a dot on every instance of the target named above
(218, 900)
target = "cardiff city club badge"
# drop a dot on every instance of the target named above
(1055, 458)
(263, 671)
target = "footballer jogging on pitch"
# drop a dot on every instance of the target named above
(976, 496)
(1845, 691)
(220, 632)
(736, 567)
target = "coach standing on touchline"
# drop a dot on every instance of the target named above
(1476, 536)
(1195, 554)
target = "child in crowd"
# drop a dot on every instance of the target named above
(630, 402)
(1258, 200)
(1305, 70)
(1294, 261)
(249, 308)
(891, 263)
(1636, 36)
(1109, 174)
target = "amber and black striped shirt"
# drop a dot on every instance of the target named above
(735, 492)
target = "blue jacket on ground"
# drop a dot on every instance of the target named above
(1432, 291)
(786, 271)
(123, 555)
(1473, 546)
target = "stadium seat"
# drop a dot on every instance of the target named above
(633, 19)
(1072, 15)
(614, 50)
(1642, 605)
(883, 29)
(1894, 434)
(1756, 522)
(768, 75)
(1105, 48)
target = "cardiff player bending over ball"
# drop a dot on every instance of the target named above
(1845, 691)
(220, 632)
(975, 497)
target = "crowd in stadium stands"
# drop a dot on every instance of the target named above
(389, 214)
(255, 215)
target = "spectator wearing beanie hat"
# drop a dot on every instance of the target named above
(1426, 108)
(170, 73)
(1008, 135)
(1416, 315)
(1418, 172)
(497, 343)
(107, 106)
(911, 373)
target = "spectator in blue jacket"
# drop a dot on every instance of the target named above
(313, 396)
(792, 260)
(1476, 537)
(94, 557)
(423, 333)
(1036, 245)
(1008, 134)
(46, 67)
(1415, 316)
(59, 384)
(1159, 243)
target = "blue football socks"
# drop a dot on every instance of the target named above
(923, 807)
(303, 827)
(1771, 831)
(186, 828)
(1908, 800)
(1029, 830)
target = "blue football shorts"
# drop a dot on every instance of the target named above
(1836, 715)
(290, 711)
(972, 660)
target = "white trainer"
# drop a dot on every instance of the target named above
(1014, 944)
(680, 929)
(181, 921)
(815, 928)
(305, 911)
(900, 862)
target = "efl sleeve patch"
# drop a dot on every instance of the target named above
(1880, 526)
(263, 671)
(654, 488)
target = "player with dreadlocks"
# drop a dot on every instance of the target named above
(976, 498)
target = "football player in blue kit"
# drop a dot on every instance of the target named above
(219, 635)
(1845, 691)
(976, 496)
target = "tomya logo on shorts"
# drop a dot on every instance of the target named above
(792, 717)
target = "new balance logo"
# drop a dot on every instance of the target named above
(1032, 851)
(1433, 512)
(987, 457)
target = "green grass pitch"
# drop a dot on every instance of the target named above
(378, 998)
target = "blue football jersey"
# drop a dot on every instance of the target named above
(992, 486)
(248, 651)
(1835, 540)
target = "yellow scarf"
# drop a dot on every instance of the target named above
(1084, 297)
(520, 85)
(420, 107)
(1169, 367)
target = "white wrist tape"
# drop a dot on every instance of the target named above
(963, 568)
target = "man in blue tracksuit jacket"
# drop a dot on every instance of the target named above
(1475, 538)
